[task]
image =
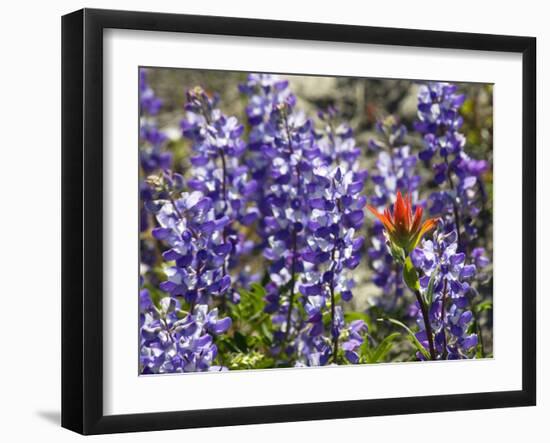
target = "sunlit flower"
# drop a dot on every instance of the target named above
(404, 230)
(395, 168)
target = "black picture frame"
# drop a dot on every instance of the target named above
(82, 218)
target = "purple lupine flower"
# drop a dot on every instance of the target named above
(447, 271)
(395, 171)
(152, 155)
(461, 195)
(160, 188)
(264, 92)
(197, 246)
(218, 147)
(336, 141)
(353, 338)
(333, 248)
(313, 350)
(295, 167)
(173, 340)
(219, 171)
(154, 190)
(291, 180)
(148, 102)
(454, 170)
(153, 159)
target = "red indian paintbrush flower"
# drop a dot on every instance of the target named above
(404, 230)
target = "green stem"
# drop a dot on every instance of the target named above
(444, 299)
(332, 315)
(478, 329)
(294, 237)
(428, 326)
(292, 283)
(455, 206)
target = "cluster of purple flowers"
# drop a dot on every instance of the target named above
(287, 191)
(311, 213)
(219, 171)
(200, 229)
(153, 158)
(290, 181)
(447, 271)
(265, 93)
(451, 256)
(336, 142)
(462, 196)
(395, 171)
(333, 249)
(173, 340)
(197, 247)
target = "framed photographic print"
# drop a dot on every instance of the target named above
(270, 221)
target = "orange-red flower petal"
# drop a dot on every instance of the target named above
(404, 230)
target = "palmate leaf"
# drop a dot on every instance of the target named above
(410, 335)
(251, 305)
(253, 324)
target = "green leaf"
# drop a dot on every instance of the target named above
(397, 253)
(410, 275)
(479, 352)
(156, 295)
(252, 360)
(240, 341)
(365, 352)
(430, 291)
(225, 342)
(411, 336)
(250, 310)
(252, 341)
(483, 306)
(181, 313)
(257, 290)
(383, 348)
(266, 333)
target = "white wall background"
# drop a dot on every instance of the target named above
(30, 205)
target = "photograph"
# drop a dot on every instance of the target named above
(280, 221)
(292, 221)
